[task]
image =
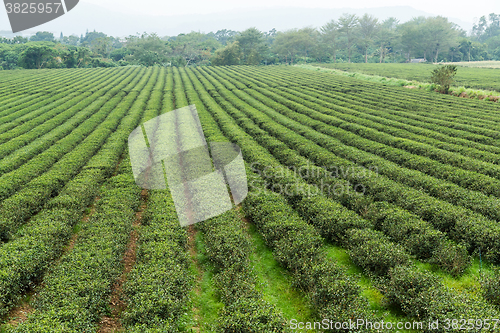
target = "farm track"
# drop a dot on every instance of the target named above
(437, 187)
(117, 303)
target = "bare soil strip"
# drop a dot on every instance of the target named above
(19, 313)
(192, 232)
(117, 302)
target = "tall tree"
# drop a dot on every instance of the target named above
(441, 35)
(308, 41)
(194, 47)
(290, 44)
(83, 56)
(42, 36)
(368, 30)
(387, 37)
(9, 56)
(36, 55)
(19, 40)
(146, 49)
(102, 46)
(230, 55)
(330, 36)
(286, 46)
(225, 36)
(486, 28)
(347, 27)
(253, 46)
(413, 37)
(71, 40)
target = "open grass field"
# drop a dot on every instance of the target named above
(468, 77)
(477, 64)
(365, 201)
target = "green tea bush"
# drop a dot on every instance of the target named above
(491, 286)
(373, 251)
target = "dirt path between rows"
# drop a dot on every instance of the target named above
(117, 302)
(192, 233)
(20, 312)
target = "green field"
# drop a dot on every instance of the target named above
(477, 64)
(468, 77)
(365, 202)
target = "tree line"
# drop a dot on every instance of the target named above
(350, 38)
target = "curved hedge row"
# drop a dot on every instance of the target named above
(299, 248)
(339, 94)
(158, 286)
(228, 249)
(332, 292)
(75, 293)
(15, 210)
(379, 258)
(35, 165)
(37, 244)
(460, 224)
(17, 123)
(405, 148)
(400, 99)
(336, 139)
(14, 88)
(292, 159)
(17, 152)
(354, 112)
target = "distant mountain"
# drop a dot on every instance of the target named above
(89, 16)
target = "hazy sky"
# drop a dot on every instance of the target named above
(464, 10)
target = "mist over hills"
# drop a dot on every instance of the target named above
(90, 16)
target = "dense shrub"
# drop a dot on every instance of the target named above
(251, 316)
(372, 251)
(408, 287)
(491, 287)
(453, 258)
(333, 293)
